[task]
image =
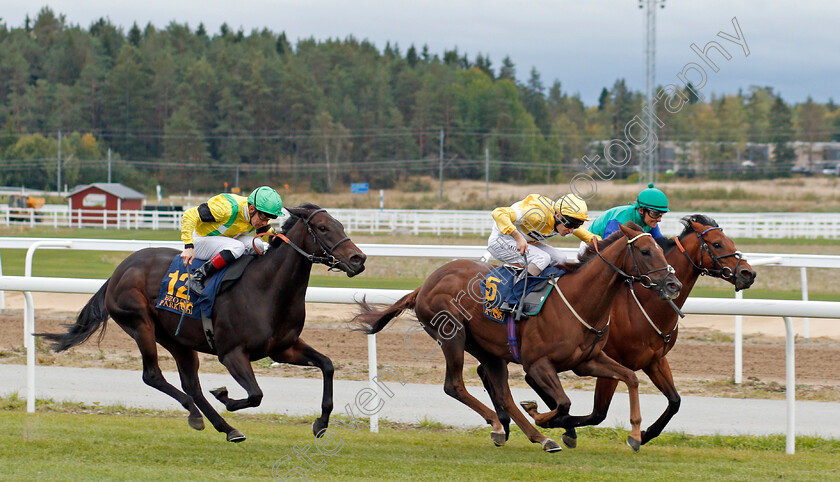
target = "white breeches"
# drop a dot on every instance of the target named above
(503, 248)
(208, 246)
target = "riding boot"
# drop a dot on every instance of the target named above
(195, 283)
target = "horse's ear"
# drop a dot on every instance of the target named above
(631, 224)
(629, 229)
(696, 225)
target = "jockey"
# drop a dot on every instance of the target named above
(522, 228)
(218, 230)
(647, 211)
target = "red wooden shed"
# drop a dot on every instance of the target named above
(103, 200)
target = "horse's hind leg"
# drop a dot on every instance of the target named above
(302, 354)
(187, 361)
(504, 418)
(239, 366)
(496, 373)
(143, 334)
(453, 352)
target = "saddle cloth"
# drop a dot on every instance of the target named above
(176, 297)
(501, 295)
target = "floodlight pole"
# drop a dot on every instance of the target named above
(648, 168)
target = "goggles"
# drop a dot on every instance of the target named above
(653, 213)
(570, 223)
(265, 215)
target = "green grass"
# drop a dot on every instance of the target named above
(115, 443)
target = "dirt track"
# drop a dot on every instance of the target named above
(702, 361)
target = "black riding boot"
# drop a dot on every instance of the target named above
(196, 282)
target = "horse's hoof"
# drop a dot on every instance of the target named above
(318, 427)
(569, 441)
(551, 446)
(219, 392)
(498, 439)
(235, 436)
(196, 422)
(529, 406)
(633, 443)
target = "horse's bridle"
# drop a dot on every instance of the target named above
(643, 278)
(326, 258)
(721, 271)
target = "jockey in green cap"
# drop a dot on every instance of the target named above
(223, 228)
(647, 211)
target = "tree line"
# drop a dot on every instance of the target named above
(184, 107)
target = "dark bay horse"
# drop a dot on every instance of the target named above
(260, 316)
(643, 332)
(568, 334)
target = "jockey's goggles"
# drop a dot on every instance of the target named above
(265, 215)
(570, 223)
(653, 213)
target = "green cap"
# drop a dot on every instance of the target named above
(266, 200)
(652, 198)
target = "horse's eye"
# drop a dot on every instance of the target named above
(716, 245)
(322, 228)
(645, 252)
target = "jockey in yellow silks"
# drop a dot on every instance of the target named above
(522, 229)
(223, 228)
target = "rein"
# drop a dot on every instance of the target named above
(598, 333)
(326, 257)
(722, 271)
(665, 337)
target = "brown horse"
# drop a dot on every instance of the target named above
(260, 316)
(568, 334)
(644, 332)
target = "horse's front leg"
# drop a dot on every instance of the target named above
(541, 376)
(304, 355)
(239, 365)
(602, 366)
(660, 374)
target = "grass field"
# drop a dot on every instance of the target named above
(74, 442)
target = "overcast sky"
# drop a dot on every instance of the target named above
(586, 44)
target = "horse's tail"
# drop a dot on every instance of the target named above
(371, 321)
(92, 317)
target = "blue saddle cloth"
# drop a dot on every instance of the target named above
(176, 297)
(499, 288)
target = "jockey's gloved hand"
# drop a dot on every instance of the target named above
(266, 231)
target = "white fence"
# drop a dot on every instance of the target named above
(737, 225)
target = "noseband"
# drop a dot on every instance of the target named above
(643, 278)
(326, 257)
(721, 271)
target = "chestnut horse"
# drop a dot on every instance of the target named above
(568, 334)
(644, 332)
(260, 316)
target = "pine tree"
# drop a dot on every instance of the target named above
(781, 134)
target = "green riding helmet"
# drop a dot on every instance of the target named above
(652, 198)
(267, 201)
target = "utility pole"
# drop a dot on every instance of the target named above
(486, 172)
(648, 166)
(109, 165)
(441, 166)
(58, 181)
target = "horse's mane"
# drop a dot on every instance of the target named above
(293, 218)
(589, 252)
(667, 243)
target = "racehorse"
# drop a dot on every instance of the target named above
(644, 331)
(561, 337)
(261, 315)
